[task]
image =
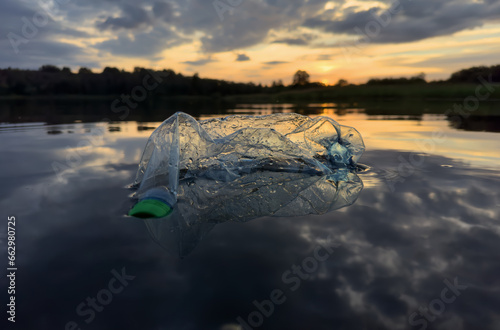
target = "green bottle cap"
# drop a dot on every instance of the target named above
(150, 208)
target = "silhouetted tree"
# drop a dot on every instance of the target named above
(420, 76)
(110, 70)
(300, 78)
(84, 70)
(49, 68)
(342, 83)
(418, 79)
(472, 74)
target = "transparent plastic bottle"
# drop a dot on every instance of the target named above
(241, 167)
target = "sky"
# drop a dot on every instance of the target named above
(254, 40)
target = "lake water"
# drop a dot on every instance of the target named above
(419, 249)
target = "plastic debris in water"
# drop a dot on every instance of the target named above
(242, 167)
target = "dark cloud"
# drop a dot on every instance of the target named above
(242, 58)
(291, 41)
(133, 17)
(163, 10)
(36, 53)
(29, 45)
(202, 61)
(31, 22)
(275, 62)
(250, 24)
(145, 44)
(409, 21)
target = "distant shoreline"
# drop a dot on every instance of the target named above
(424, 92)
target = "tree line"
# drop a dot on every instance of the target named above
(52, 80)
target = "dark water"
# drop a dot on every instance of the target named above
(420, 248)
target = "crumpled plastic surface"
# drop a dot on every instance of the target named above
(244, 167)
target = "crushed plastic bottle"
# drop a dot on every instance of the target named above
(242, 167)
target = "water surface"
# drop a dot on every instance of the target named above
(428, 216)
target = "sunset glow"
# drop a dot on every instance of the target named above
(262, 41)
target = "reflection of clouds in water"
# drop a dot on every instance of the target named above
(429, 240)
(396, 249)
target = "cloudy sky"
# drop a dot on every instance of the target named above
(254, 40)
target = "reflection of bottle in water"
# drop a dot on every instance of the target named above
(154, 203)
